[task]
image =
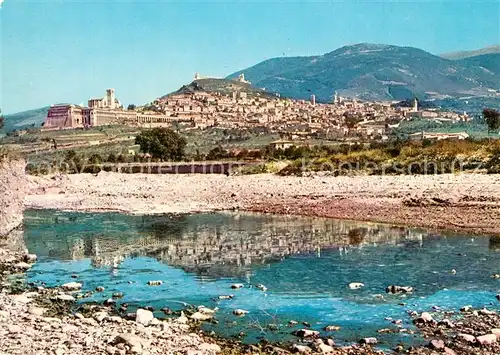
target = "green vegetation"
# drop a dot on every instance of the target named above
(162, 143)
(492, 119)
(423, 157)
(2, 120)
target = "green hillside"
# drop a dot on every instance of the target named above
(372, 71)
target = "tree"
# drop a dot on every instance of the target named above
(492, 119)
(131, 107)
(162, 143)
(2, 120)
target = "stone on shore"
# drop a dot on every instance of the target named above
(99, 288)
(369, 341)
(306, 333)
(30, 258)
(22, 266)
(65, 298)
(467, 338)
(143, 316)
(436, 344)
(201, 316)
(301, 349)
(237, 286)
(72, 286)
(487, 339)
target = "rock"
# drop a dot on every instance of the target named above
(487, 339)
(486, 312)
(307, 324)
(449, 351)
(306, 333)
(79, 316)
(99, 288)
(425, 317)
(330, 342)
(208, 347)
(22, 299)
(356, 285)
(72, 286)
(149, 308)
(143, 316)
(100, 316)
(301, 349)
(206, 310)
(466, 309)
(65, 298)
(109, 302)
(332, 328)
(453, 271)
(182, 319)
(225, 297)
(30, 258)
(292, 323)
(22, 266)
(324, 348)
(237, 286)
(369, 341)
(466, 338)
(37, 311)
(155, 283)
(167, 311)
(495, 276)
(240, 312)
(133, 341)
(261, 287)
(436, 344)
(393, 289)
(117, 295)
(111, 350)
(446, 323)
(14, 329)
(498, 297)
(496, 331)
(200, 316)
(116, 319)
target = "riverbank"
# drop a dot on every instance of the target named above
(460, 202)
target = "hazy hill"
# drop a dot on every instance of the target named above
(468, 54)
(25, 119)
(223, 86)
(372, 71)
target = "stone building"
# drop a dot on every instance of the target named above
(64, 116)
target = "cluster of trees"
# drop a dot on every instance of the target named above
(162, 143)
(492, 119)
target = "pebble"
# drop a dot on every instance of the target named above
(306, 333)
(117, 295)
(30, 258)
(332, 328)
(467, 338)
(22, 266)
(65, 298)
(302, 349)
(369, 341)
(99, 288)
(237, 286)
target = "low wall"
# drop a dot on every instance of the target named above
(13, 189)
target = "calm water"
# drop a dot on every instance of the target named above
(305, 263)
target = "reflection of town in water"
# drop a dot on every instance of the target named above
(222, 244)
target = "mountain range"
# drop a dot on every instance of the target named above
(377, 72)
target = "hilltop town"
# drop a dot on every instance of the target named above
(234, 104)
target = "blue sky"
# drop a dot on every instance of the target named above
(68, 51)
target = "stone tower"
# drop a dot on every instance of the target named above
(110, 98)
(415, 105)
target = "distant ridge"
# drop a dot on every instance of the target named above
(20, 120)
(375, 72)
(468, 54)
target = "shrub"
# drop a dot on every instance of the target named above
(162, 143)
